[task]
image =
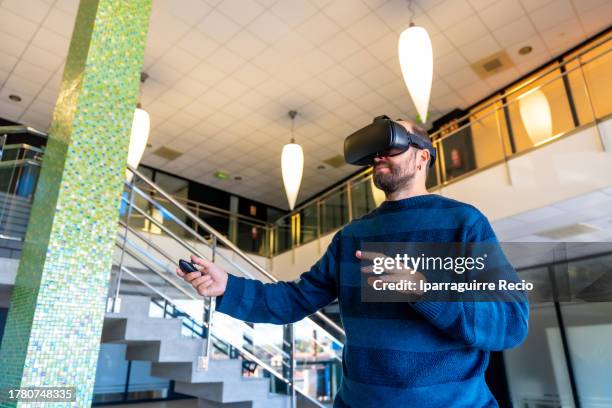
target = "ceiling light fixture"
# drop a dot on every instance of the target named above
(525, 50)
(292, 165)
(416, 61)
(141, 125)
(15, 98)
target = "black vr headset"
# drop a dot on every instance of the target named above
(384, 137)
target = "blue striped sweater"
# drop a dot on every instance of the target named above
(421, 354)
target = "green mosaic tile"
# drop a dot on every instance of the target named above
(53, 329)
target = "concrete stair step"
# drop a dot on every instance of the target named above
(236, 390)
(175, 358)
(218, 370)
(13, 230)
(272, 401)
(170, 350)
(133, 306)
(123, 330)
(14, 210)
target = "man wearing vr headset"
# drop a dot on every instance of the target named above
(410, 354)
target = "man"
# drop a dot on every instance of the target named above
(408, 354)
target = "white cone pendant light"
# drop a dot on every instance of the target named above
(535, 113)
(139, 136)
(416, 60)
(292, 165)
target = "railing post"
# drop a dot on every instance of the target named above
(116, 300)
(2, 143)
(503, 144)
(289, 369)
(318, 205)
(349, 201)
(592, 108)
(438, 166)
(204, 360)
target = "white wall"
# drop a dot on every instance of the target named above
(571, 166)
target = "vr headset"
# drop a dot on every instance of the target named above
(384, 137)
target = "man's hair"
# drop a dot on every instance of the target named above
(423, 135)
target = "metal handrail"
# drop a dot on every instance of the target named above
(210, 209)
(226, 242)
(15, 163)
(23, 146)
(245, 353)
(434, 135)
(23, 129)
(182, 242)
(189, 294)
(530, 81)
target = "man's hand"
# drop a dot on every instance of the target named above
(394, 275)
(210, 280)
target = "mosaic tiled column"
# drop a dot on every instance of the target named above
(53, 329)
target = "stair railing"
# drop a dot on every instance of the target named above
(129, 250)
(220, 238)
(133, 199)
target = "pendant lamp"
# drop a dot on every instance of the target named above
(141, 126)
(292, 165)
(416, 61)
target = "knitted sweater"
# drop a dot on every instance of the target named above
(411, 354)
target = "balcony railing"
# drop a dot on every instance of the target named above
(560, 99)
(553, 103)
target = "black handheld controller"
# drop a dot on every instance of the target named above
(187, 266)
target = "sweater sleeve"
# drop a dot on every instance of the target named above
(283, 302)
(487, 325)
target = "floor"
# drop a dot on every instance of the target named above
(187, 403)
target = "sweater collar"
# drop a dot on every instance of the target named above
(410, 202)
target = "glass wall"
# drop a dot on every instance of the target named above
(587, 319)
(537, 369)
(565, 360)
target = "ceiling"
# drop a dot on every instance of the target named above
(224, 73)
(585, 218)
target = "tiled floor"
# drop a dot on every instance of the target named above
(187, 403)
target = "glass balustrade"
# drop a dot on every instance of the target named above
(548, 105)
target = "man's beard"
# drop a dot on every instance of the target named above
(393, 180)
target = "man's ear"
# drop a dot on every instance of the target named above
(425, 156)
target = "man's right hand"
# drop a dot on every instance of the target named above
(210, 280)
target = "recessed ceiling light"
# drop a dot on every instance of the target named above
(221, 175)
(525, 50)
(238, 178)
(149, 145)
(321, 167)
(15, 98)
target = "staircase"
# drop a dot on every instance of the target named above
(14, 217)
(143, 273)
(174, 357)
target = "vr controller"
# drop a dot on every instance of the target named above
(382, 137)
